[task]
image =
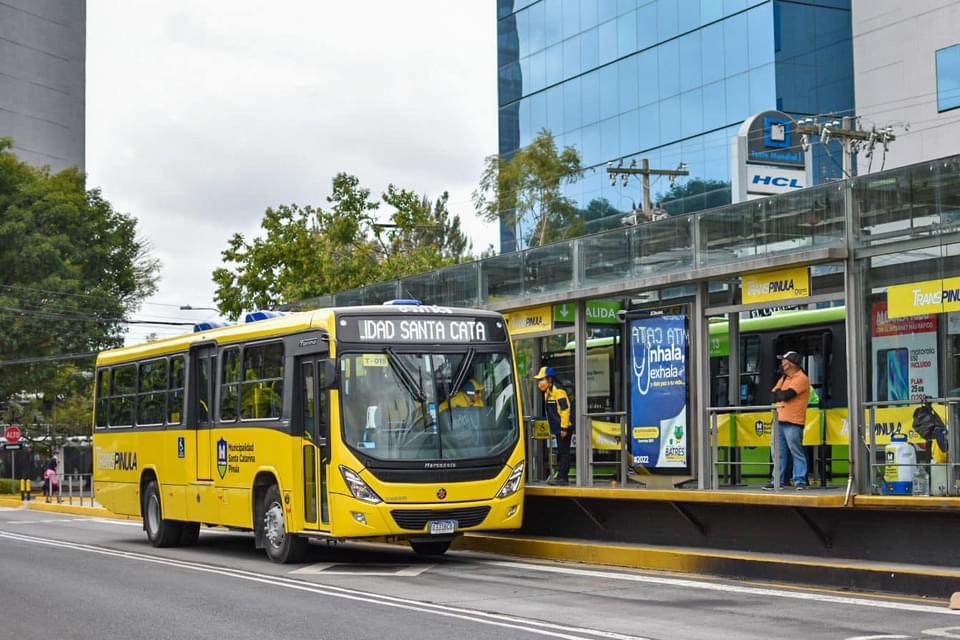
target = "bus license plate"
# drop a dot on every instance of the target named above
(438, 527)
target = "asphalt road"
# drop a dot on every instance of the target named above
(66, 577)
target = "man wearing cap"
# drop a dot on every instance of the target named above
(557, 406)
(792, 395)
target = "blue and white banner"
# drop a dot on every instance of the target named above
(658, 392)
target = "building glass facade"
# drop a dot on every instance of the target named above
(666, 80)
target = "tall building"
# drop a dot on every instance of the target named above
(43, 80)
(907, 72)
(666, 80)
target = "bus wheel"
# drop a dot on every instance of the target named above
(189, 534)
(281, 546)
(430, 548)
(160, 532)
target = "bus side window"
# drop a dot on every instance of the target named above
(175, 390)
(123, 392)
(324, 417)
(203, 390)
(103, 395)
(307, 401)
(262, 385)
(230, 385)
(749, 369)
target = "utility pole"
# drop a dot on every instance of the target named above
(646, 172)
(851, 137)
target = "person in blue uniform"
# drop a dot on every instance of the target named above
(557, 407)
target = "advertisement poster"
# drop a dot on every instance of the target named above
(658, 392)
(903, 356)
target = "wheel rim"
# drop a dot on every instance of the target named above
(273, 525)
(153, 514)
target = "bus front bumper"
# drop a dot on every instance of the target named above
(353, 518)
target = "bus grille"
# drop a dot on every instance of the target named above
(416, 519)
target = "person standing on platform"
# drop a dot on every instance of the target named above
(557, 407)
(792, 395)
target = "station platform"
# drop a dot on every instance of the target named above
(822, 523)
(840, 573)
(832, 497)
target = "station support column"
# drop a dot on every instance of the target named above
(583, 426)
(699, 370)
(852, 292)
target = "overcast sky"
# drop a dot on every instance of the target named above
(202, 114)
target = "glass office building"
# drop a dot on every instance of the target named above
(666, 80)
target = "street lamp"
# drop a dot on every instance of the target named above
(187, 307)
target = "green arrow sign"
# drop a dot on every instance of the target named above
(598, 311)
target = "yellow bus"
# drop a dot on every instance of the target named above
(398, 421)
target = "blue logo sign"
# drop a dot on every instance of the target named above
(777, 132)
(777, 181)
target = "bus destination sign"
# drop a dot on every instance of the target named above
(420, 330)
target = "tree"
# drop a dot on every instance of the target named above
(694, 195)
(71, 270)
(422, 236)
(305, 252)
(529, 185)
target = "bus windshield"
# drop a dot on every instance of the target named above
(428, 406)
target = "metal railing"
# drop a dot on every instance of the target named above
(77, 486)
(715, 412)
(951, 485)
(623, 453)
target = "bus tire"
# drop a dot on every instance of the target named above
(281, 547)
(160, 532)
(430, 547)
(189, 533)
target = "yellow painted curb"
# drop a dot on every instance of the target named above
(908, 503)
(76, 510)
(761, 498)
(11, 501)
(666, 558)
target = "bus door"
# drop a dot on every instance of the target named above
(203, 376)
(314, 411)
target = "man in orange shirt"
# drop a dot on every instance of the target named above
(792, 395)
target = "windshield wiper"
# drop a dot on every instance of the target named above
(461, 376)
(404, 375)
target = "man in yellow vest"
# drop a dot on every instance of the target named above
(557, 407)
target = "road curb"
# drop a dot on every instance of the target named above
(930, 581)
(6, 501)
(72, 509)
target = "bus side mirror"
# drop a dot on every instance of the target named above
(331, 373)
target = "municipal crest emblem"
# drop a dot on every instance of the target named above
(222, 457)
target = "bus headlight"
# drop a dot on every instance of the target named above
(513, 482)
(358, 487)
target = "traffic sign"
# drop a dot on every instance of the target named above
(12, 434)
(12, 447)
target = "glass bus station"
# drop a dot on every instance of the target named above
(860, 276)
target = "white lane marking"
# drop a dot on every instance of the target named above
(878, 637)
(729, 588)
(344, 569)
(50, 521)
(944, 632)
(482, 617)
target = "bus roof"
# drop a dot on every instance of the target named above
(782, 320)
(281, 325)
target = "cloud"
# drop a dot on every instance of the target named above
(201, 115)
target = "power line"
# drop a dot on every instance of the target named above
(93, 318)
(36, 360)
